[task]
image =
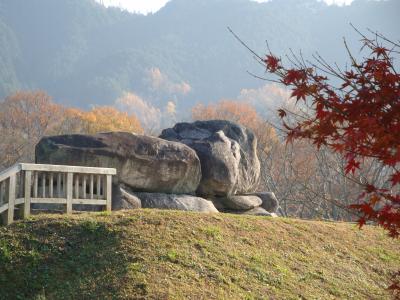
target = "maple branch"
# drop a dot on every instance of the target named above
(244, 44)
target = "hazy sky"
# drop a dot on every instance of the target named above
(146, 6)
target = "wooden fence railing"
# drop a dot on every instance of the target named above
(24, 184)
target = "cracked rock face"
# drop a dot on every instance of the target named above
(143, 163)
(227, 152)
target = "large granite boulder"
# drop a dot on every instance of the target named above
(176, 202)
(143, 163)
(227, 152)
(220, 160)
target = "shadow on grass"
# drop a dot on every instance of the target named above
(64, 260)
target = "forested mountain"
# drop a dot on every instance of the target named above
(82, 53)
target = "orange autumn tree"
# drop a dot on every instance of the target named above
(101, 119)
(241, 113)
(27, 116)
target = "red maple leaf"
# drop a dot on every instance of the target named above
(272, 63)
(352, 166)
(294, 76)
(380, 51)
(395, 178)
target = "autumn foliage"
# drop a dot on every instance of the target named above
(101, 119)
(231, 110)
(27, 116)
(24, 118)
(358, 118)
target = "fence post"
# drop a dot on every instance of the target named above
(11, 199)
(27, 193)
(69, 192)
(109, 192)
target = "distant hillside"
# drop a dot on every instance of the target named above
(83, 53)
(151, 254)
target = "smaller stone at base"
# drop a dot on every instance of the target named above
(258, 211)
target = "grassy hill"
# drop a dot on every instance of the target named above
(151, 254)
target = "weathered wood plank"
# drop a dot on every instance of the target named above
(2, 193)
(51, 182)
(76, 186)
(91, 185)
(98, 187)
(43, 184)
(21, 177)
(12, 170)
(11, 198)
(27, 193)
(35, 184)
(84, 187)
(64, 185)
(109, 192)
(89, 201)
(19, 201)
(3, 208)
(49, 201)
(66, 169)
(69, 192)
(59, 185)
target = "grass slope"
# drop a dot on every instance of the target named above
(151, 254)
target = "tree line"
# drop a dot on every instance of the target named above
(310, 183)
